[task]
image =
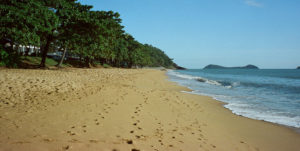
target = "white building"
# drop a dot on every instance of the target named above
(32, 49)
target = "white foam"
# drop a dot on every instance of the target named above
(243, 108)
(240, 108)
(190, 77)
(273, 117)
(236, 84)
(184, 76)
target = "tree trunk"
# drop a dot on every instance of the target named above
(11, 47)
(87, 61)
(35, 51)
(27, 51)
(62, 58)
(17, 50)
(45, 51)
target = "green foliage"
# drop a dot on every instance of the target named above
(9, 59)
(23, 21)
(3, 58)
(31, 61)
(37, 60)
(92, 36)
(158, 57)
(106, 66)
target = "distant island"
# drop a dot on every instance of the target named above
(298, 67)
(212, 66)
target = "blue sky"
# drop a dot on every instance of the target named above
(196, 33)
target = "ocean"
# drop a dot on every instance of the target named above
(271, 95)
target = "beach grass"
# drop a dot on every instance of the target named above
(35, 61)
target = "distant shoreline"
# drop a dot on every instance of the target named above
(212, 66)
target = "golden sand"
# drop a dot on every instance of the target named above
(122, 110)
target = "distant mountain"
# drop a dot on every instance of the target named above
(177, 67)
(298, 67)
(212, 66)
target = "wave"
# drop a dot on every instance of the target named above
(203, 80)
(250, 111)
(274, 117)
(282, 87)
(230, 84)
(276, 102)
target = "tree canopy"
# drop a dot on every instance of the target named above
(89, 36)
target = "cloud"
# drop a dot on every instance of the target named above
(253, 3)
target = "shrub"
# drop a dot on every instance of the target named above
(106, 66)
(9, 59)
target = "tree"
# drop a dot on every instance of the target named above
(22, 22)
(67, 25)
(75, 25)
(59, 9)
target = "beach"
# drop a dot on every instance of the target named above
(122, 109)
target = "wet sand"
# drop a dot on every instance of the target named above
(122, 109)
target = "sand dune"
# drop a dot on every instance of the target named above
(122, 109)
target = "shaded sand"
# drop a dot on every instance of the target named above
(122, 110)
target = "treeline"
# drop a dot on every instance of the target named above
(72, 28)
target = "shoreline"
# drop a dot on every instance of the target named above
(224, 103)
(192, 91)
(122, 109)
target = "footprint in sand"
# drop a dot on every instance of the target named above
(74, 141)
(93, 141)
(71, 133)
(129, 142)
(66, 147)
(48, 140)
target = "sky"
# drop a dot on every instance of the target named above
(195, 33)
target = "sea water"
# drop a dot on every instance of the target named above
(271, 95)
